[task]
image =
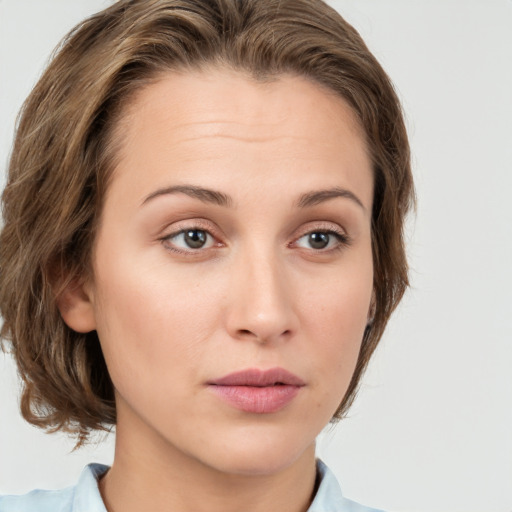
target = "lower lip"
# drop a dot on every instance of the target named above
(260, 400)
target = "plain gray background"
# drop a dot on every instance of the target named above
(432, 428)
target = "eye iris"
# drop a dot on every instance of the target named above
(195, 238)
(319, 240)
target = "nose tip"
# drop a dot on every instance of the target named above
(261, 307)
(262, 331)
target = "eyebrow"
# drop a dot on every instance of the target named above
(319, 196)
(207, 195)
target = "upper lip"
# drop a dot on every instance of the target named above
(259, 378)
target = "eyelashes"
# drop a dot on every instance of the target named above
(191, 239)
(323, 240)
(196, 240)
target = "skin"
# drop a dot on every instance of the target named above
(256, 295)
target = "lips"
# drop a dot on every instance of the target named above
(260, 378)
(258, 391)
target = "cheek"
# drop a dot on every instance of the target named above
(148, 317)
(339, 300)
(336, 323)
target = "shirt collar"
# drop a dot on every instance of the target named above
(328, 497)
(87, 496)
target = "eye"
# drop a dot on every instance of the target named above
(322, 240)
(189, 239)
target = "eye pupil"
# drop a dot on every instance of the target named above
(318, 240)
(195, 238)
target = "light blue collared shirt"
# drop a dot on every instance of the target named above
(85, 496)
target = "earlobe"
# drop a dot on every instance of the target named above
(76, 307)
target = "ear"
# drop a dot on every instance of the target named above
(76, 306)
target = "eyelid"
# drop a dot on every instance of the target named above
(322, 226)
(325, 227)
(180, 227)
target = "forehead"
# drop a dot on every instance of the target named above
(185, 98)
(220, 118)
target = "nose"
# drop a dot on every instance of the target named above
(261, 306)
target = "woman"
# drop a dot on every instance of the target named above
(202, 246)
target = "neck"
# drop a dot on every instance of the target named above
(149, 473)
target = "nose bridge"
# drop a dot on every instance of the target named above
(261, 305)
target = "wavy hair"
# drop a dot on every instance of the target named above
(64, 153)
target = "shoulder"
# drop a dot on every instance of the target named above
(39, 501)
(84, 495)
(329, 497)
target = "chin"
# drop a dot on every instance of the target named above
(259, 457)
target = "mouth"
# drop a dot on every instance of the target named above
(258, 391)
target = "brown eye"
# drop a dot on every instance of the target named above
(319, 240)
(195, 238)
(323, 240)
(189, 239)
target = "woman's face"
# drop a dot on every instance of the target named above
(234, 240)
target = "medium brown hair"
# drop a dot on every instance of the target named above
(64, 153)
